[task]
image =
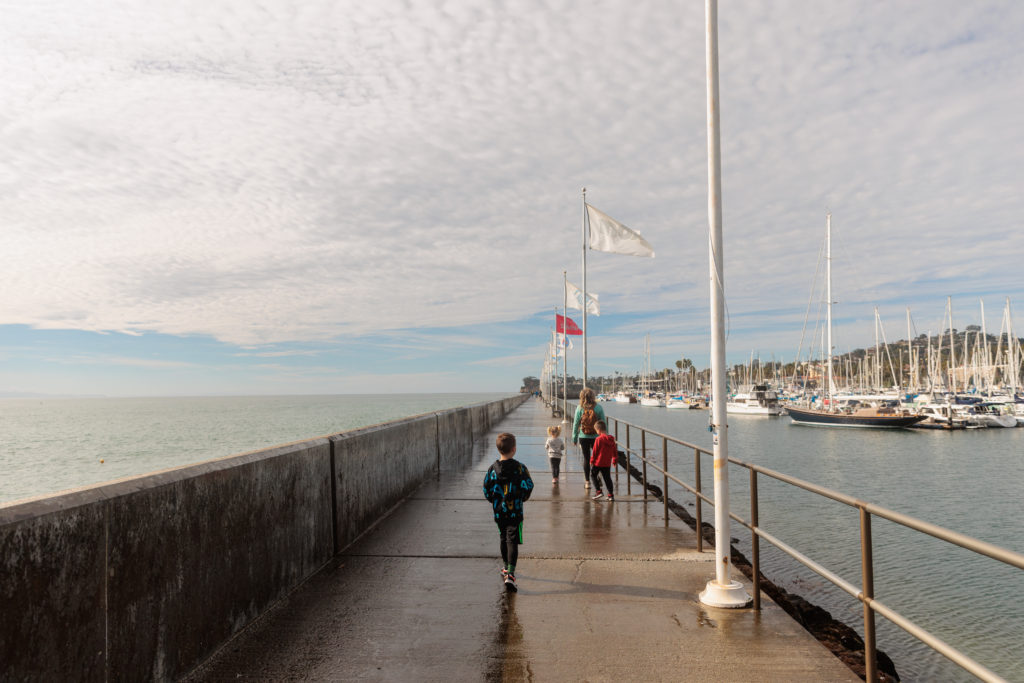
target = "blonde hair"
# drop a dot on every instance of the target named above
(554, 430)
(587, 399)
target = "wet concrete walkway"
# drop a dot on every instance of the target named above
(607, 592)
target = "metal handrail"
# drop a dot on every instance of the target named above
(864, 593)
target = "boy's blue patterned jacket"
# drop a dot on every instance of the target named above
(507, 485)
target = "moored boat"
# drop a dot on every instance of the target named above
(758, 399)
(855, 414)
(850, 413)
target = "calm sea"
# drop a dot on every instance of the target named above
(49, 445)
(968, 481)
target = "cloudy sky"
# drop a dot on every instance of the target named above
(329, 196)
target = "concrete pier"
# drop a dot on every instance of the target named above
(607, 591)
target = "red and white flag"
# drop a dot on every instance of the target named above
(565, 325)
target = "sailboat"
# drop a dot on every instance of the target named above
(850, 413)
(647, 396)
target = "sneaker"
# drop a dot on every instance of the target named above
(510, 583)
(597, 496)
(555, 480)
(504, 574)
(611, 498)
(586, 484)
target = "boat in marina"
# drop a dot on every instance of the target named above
(757, 399)
(995, 414)
(939, 416)
(854, 414)
(831, 412)
(676, 402)
(649, 397)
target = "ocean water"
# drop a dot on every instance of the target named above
(50, 445)
(967, 481)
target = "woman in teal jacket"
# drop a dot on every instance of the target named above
(588, 412)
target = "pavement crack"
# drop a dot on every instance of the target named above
(579, 569)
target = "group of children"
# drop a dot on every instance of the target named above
(507, 484)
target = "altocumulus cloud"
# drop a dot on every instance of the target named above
(311, 170)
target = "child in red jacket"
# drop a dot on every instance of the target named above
(602, 459)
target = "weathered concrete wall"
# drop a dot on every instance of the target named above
(378, 466)
(143, 578)
(453, 450)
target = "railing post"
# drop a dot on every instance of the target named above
(643, 471)
(868, 577)
(664, 483)
(627, 453)
(755, 548)
(643, 454)
(700, 525)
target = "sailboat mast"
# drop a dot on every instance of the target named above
(912, 380)
(1014, 348)
(878, 358)
(986, 371)
(828, 294)
(952, 347)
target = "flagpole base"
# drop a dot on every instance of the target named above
(728, 596)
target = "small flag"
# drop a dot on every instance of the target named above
(576, 299)
(607, 234)
(565, 325)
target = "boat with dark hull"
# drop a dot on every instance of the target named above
(848, 412)
(855, 417)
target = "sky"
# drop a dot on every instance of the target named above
(272, 197)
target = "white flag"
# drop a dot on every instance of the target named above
(576, 299)
(607, 234)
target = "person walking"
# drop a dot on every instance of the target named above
(602, 460)
(507, 485)
(584, 431)
(555, 447)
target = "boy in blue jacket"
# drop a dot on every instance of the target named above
(507, 485)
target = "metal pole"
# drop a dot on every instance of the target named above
(627, 447)
(700, 514)
(565, 355)
(868, 577)
(584, 288)
(664, 478)
(755, 546)
(722, 591)
(643, 465)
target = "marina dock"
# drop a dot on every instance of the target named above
(607, 591)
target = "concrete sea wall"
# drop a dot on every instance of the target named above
(143, 578)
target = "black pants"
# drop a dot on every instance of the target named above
(587, 445)
(511, 537)
(556, 464)
(606, 474)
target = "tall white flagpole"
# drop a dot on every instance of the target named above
(584, 288)
(722, 591)
(565, 350)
